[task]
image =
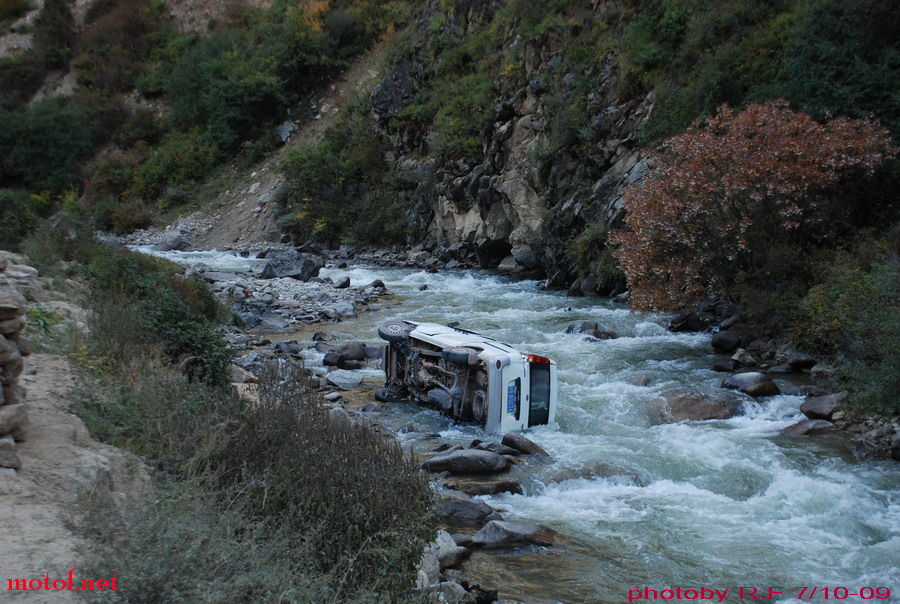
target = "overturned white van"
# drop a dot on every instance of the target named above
(467, 376)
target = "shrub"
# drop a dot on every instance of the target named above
(340, 187)
(54, 34)
(42, 146)
(722, 192)
(115, 45)
(854, 317)
(182, 158)
(19, 214)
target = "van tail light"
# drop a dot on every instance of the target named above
(533, 358)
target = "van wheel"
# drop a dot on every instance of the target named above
(394, 331)
(463, 356)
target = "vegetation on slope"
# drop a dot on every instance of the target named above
(261, 501)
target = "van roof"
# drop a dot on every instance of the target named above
(444, 336)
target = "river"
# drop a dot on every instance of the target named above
(716, 504)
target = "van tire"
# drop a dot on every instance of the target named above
(463, 356)
(394, 331)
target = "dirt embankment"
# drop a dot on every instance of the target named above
(61, 465)
(240, 208)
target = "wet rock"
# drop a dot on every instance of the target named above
(345, 380)
(783, 368)
(351, 365)
(174, 240)
(692, 321)
(332, 397)
(293, 264)
(497, 448)
(375, 284)
(744, 358)
(823, 407)
(342, 283)
(321, 336)
(753, 383)
(725, 342)
(726, 367)
(332, 358)
(461, 539)
(485, 487)
(522, 444)
(895, 447)
(466, 512)
(446, 551)
(353, 351)
(467, 461)
(581, 327)
(800, 360)
(591, 470)
(597, 335)
(498, 534)
(808, 427)
(449, 591)
(767, 388)
(370, 408)
(687, 404)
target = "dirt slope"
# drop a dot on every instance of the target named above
(245, 211)
(60, 463)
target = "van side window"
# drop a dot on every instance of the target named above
(513, 397)
(539, 407)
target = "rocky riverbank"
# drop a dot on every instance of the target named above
(755, 355)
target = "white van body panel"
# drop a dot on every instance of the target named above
(521, 390)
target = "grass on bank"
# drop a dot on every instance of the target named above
(266, 501)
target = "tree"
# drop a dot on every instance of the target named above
(729, 189)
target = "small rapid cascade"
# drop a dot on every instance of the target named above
(716, 504)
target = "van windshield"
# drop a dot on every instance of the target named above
(539, 407)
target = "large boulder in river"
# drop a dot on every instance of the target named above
(522, 444)
(174, 240)
(461, 511)
(823, 407)
(292, 264)
(725, 342)
(687, 404)
(467, 461)
(581, 326)
(345, 379)
(498, 533)
(485, 487)
(753, 383)
(808, 427)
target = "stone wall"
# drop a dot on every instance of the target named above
(13, 349)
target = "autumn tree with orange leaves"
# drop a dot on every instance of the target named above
(733, 185)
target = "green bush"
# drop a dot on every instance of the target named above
(20, 212)
(42, 146)
(182, 158)
(228, 83)
(854, 318)
(116, 44)
(54, 34)
(340, 187)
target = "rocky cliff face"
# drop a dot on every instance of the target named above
(520, 197)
